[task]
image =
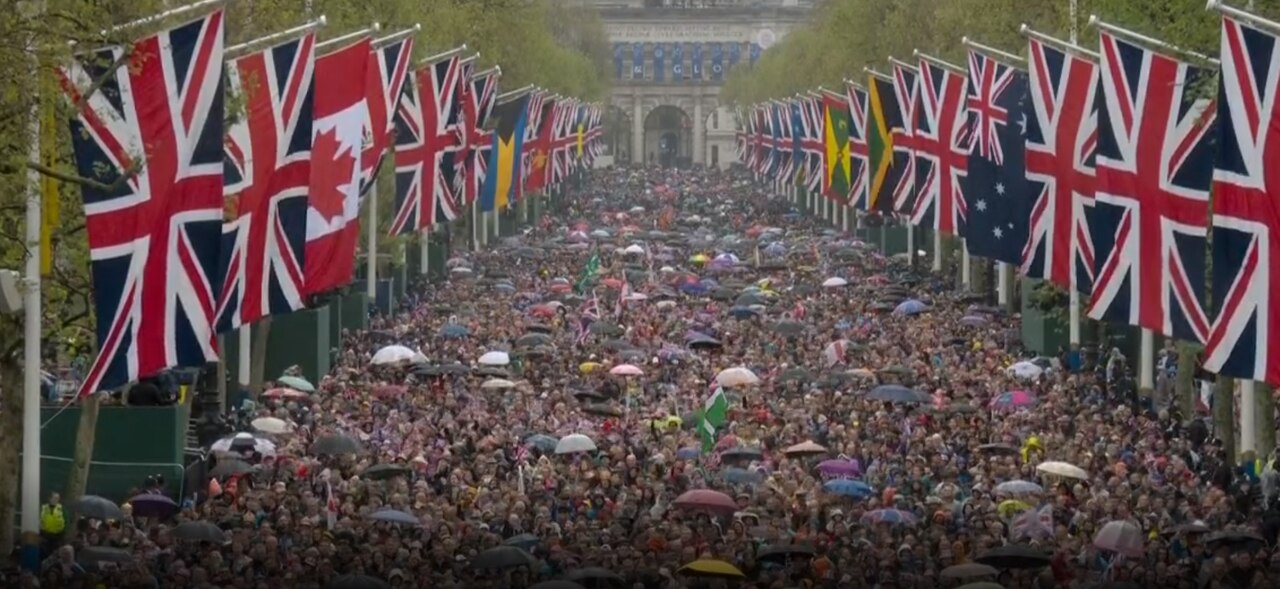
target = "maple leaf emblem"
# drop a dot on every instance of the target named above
(330, 171)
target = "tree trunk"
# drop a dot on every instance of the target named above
(11, 402)
(258, 358)
(1224, 413)
(1264, 419)
(1184, 387)
(82, 456)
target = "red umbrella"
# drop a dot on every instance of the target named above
(285, 393)
(613, 283)
(706, 500)
(560, 287)
(544, 311)
(389, 390)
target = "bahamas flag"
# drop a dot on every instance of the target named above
(502, 175)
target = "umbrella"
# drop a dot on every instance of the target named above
(736, 377)
(285, 393)
(382, 472)
(835, 282)
(395, 516)
(1062, 469)
(153, 505)
(357, 582)
(588, 367)
(742, 454)
(393, 354)
(296, 383)
(495, 358)
(626, 370)
(523, 541)
(454, 331)
(1192, 527)
(227, 467)
(706, 500)
(788, 328)
(1009, 400)
(95, 507)
(606, 329)
(271, 425)
(594, 574)
(1234, 537)
(244, 442)
(703, 342)
(603, 409)
(711, 568)
(1121, 537)
(743, 312)
(785, 552)
(910, 307)
(839, 467)
(575, 443)
(1014, 556)
(542, 442)
(974, 320)
(1026, 369)
(969, 570)
(200, 531)
(561, 584)
(1011, 507)
(742, 476)
(848, 488)
(92, 555)
(895, 393)
(497, 384)
(530, 340)
(334, 445)
(634, 249)
(1018, 488)
(805, 449)
(998, 449)
(501, 558)
(749, 299)
(895, 517)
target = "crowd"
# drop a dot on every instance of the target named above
(555, 420)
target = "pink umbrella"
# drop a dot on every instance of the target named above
(706, 500)
(1013, 400)
(285, 393)
(1120, 537)
(625, 370)
(839, 467)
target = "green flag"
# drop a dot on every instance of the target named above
(715, 413)
(589, 273)
(837, 158)
(883, 116)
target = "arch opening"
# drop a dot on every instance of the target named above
(668, 137)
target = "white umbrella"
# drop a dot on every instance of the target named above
(455, 262)
(634, 249)
(636, 296)
(736, 377)
(1026, 369)
(245, 442)
(574, 443)
(666, 304)
(637, 209)
(665, 269)
(1062, 469)
(495, 358)
(1122, 537)
(393, 354)
(625, 370)
(461, 270)
(600, 233)
(271, 425)
(495, 384)
(835, 282)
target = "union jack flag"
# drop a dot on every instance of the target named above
(1246, 223)
(907, 91)
(809, 137)
(476, 110)
(942, 147)
(589, 313)
(154, 239)
(388, 70)
(1154, 170)
(859, 151)
(426, 132)
(783, 144)
(563, 139)
(1062, 137)
(457, 164)
(267, 174)
(595, 137)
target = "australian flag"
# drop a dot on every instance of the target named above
(995, 190)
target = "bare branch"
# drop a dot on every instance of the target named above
(87, 182)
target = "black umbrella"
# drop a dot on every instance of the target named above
(93, 506)
(1233, 538)
(494, 371)
(788, 327)
(455, 369)
(395, 516)
(602, 409)
(538, 328)
(594, 574)
(502, 557)
(742, 454)
(91, 555)
(998, 449)
(227, 467)
(382, 472)
(357, 582)
(522, 541)
(200, 531)
(586, 395)
(606, 328)
(704, 343)
(894, 393)
(749, 299)
(785, 552)
(618, 345)
(530, 340)
(1014, 556)
(334, 445)
(724, 294)
(534, 352)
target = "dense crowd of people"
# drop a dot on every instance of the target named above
(552, 421)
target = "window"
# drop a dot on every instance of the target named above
(715, 156)
(715, 119)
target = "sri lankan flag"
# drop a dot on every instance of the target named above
(837, 159)
(883, 116)
(502, 176)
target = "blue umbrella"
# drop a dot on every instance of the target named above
(896, 393)
(895, 517)
(693, 288)
(504, 287)
(742, 476)
(743, 312)
(848, 488)
(688, 453)
(1018, 488)
(395, 516)
(775, 249)
(910, 307)
(542, 442)
(454, 330)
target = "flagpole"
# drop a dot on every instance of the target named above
(1244, 15)
(244, 343)
(396, 36)
(236, 50)
(1142, 39)
(424, 250)
(365, 32)
(1073, 294)
(371, 275)
(163, 15)
(444, 55)
(31, 337)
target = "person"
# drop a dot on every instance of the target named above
(53, 522)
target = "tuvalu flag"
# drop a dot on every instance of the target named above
(883, 116)
(502, 175)
(837, 157)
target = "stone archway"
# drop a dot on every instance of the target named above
(668, 137)
(617, 133)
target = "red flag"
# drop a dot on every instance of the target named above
(340, 115)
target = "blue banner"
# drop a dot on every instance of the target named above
(659, 62)
(696, 66)
(735, 54)
(717, 61)
(619, 50)
(677, 62)
(754, 53)
(637, 61)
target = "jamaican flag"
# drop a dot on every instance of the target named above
(884, 115)
(837, 175)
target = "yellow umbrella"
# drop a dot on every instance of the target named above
(700, 259)
(1012, 507)
(705, 567)
(588, 367)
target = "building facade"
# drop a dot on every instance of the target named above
(670, 58)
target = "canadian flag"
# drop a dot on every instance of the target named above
(340, 112)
